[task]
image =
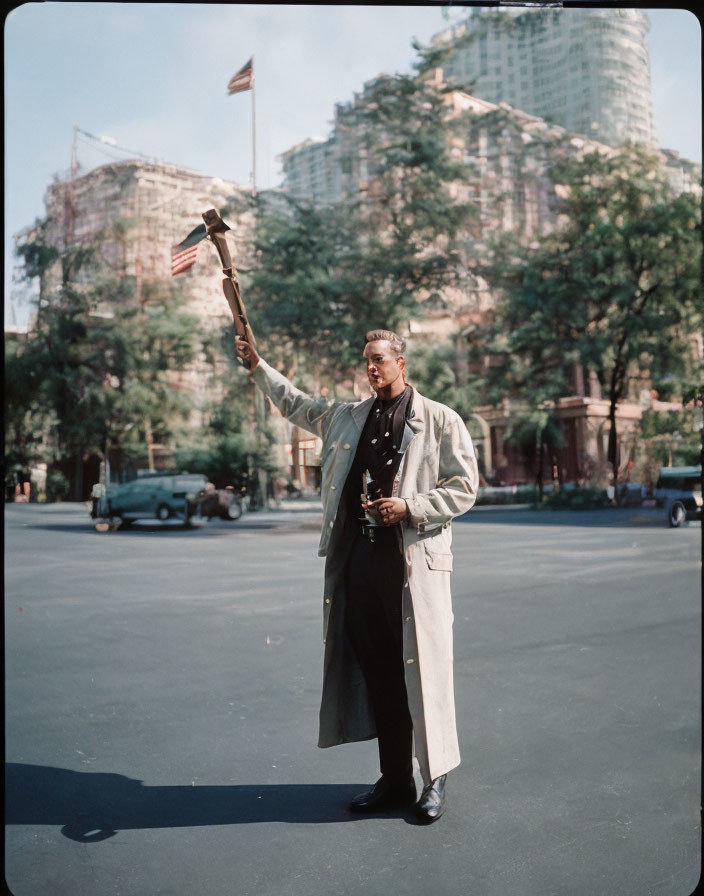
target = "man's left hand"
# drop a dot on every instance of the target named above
(391, 510)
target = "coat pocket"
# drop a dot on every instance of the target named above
(438, 560)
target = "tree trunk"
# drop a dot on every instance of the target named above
(612, 447)
(78, 478)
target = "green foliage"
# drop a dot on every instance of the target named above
(434, 369)
(538, 433)
(384, 253)
(616, 287)
(107, 375)
(525, 494)
(233, 447)
(304, 291)
(667, 438)
(25, 364)
(85, 377)
(36, 257)
(576, 499)
(57, 486)
(529, 428)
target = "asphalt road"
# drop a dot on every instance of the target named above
(162, 693)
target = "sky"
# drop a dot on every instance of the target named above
(153, 78)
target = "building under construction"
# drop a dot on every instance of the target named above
(133, 212)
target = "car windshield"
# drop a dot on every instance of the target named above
(679, 483)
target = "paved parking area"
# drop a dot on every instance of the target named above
(162, 693)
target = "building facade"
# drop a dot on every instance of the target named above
(136, 211)
(510, 153)
(312, 172)
(133, 212)
(586, 70)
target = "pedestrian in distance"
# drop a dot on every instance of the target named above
(396, 469)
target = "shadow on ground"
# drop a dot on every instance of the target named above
(617, 517)
(94, 806)
(181, 531)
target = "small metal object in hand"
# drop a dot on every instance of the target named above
(372, 517)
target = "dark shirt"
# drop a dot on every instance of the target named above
(378, 451)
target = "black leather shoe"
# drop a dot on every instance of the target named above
(431, 804)
(384, 796)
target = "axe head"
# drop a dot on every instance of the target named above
(213, 222)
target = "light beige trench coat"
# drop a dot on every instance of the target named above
(438, 478)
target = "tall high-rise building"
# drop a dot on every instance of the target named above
(587, 70)
(312, 171)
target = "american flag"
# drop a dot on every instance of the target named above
(243, 80)
(184, 255)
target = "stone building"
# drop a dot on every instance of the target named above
(510, 152)
(134, 212)
(585, 69)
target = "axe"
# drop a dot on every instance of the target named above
(215, 232)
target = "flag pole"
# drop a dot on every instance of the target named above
(254, 138)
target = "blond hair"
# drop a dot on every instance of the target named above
(397, 344)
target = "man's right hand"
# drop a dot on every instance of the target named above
(246, 352)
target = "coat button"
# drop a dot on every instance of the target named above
(409, 618)
(410, 661)
(346, 447)
(327, 600)
(332, 523)
(333, 488)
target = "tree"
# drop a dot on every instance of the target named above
(302, 294)
(668, 438)
(433, 367)
(232, 448)
(615, 287)
(106, 377)
(25, 427)
(387, 250)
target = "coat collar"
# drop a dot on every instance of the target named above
(416, 421)
(414, 424)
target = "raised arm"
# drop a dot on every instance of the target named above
(311, 414)
(247, 352)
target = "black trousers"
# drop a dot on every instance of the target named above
(374, 626)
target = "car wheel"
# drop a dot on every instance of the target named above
(677, 515)
(234, 511)
(163, 512)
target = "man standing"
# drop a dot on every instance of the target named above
(396, 469)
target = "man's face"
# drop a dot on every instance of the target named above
(384, 367)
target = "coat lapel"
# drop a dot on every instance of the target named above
(360, 412)
(415, 423)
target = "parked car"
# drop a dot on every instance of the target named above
(222, 502)
(155, 495)
(679, 492)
